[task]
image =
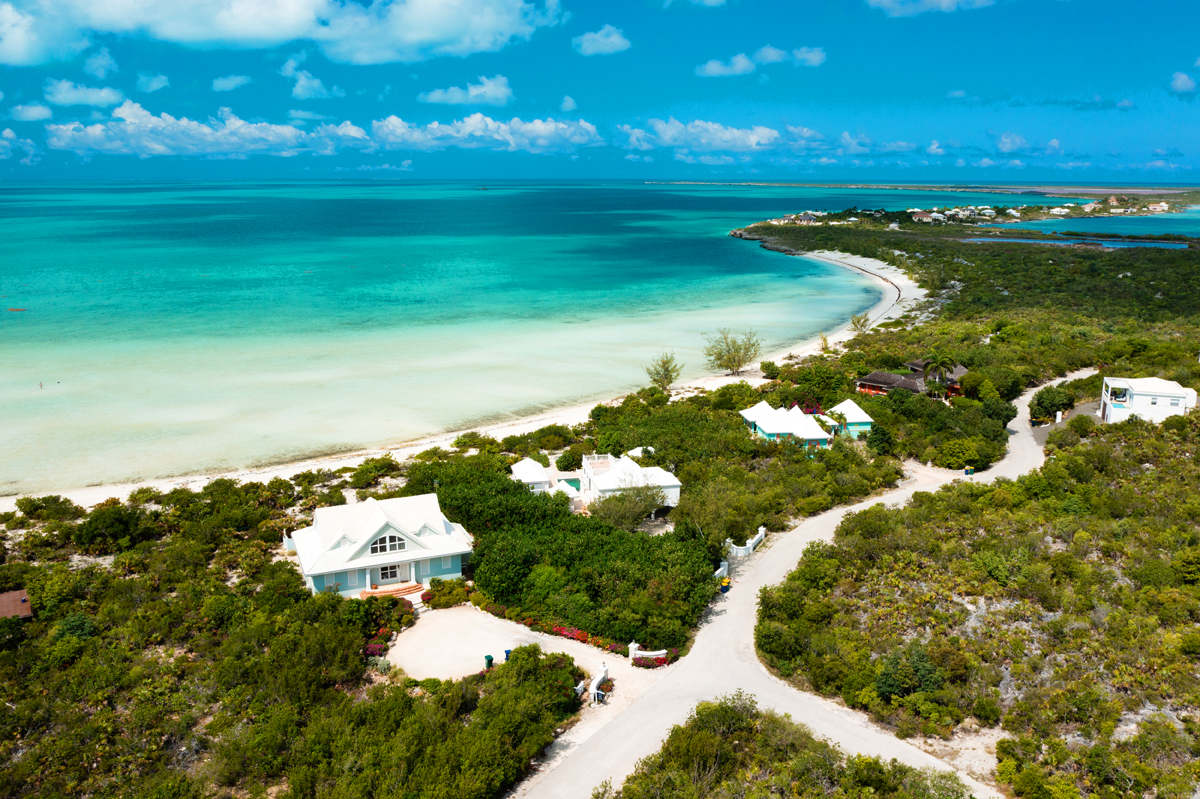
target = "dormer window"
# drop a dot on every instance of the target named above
(387, 543)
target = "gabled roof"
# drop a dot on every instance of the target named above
(776, 421)
(854, 414)
(530, 471)
(341, 536)
(610, 473)
(889, 380)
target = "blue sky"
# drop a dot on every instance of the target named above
(945, 90)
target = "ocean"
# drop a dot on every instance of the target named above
(155, 330)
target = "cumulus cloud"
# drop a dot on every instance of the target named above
(151, 83)
(229, 83)
(897, 146)
(606, 41)
(908, 8)
(64, 92)
(803, 133)
(645, 159)
(405, 166)
(100, 64)
(300, 117)
(1182, 83)
(479, 131)
(935, 148)
(347, 32)
(133, 130)
(1010, 142)
(306, 87)
(741, 64)
(985, 162)
(1125, 104)
(709, 160)
(809, 56)
(956, 94)
(853, 145)
(10, 143)
(489, 91)
(30, 113)
(568, 104)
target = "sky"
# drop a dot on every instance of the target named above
(723, 90)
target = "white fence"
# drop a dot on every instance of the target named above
(636, 651)
(741, 552)
(723, 571)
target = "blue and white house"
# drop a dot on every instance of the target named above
(378, 543)
(858, 424)
(775, 424)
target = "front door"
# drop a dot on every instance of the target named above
(404, 572)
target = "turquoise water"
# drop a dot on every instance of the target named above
(181, 328)
(1186, 223)
(1115, 244)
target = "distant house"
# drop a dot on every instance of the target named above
(1149, 398)
(1059, 211)
(936, 217)
(605, 475)
(1090, 207)
(392, 544)
(532, 474)
(894, 226)
(1013, 212)
(955, 374)
(922, 216)
(805, 219)
(858, 423)
(988, 212)
(776, 424)
(15, 604)
(878, 383)
(1158, 207)
(1113, 200)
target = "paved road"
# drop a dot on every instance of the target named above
(723, 658)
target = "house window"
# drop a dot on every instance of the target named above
(1154, 400)
(446, 562)
(387, 543)
(424, 567)
(1175, 402)
(352, 579)
(388, 572)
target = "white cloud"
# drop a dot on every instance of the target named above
(738, 65)
(100, 64)
(809, 56)
(935, 148)
(152, 83)
(825, 161)
(347, 32)
(1182, 83)
(1015, 164)
(1197, 64)
(960, 162)
(135, 131)
(853, 145)
(229, 83)
(1160, 164)
(898, 146)
(769, 55)
(307, 87)
(710, 136)
(30, 113)
(985, 162)
(1010, 142)
(908, 8)
(644, 159)
(479, 131)
(300, 117)
(606, 41)
(709, 160)
(489, 91)
(405, 166)
(64, 92)
(1125, 104)
(1074, 165)
(1054, 147)
(568, 104)
(956, 94)
(9, 142)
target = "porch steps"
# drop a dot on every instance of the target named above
(398, 589)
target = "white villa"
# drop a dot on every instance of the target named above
(389, 546)
(775, 424)
(605, 475)
(532, 474)
(1149, 398)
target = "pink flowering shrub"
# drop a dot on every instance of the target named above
(654, 663)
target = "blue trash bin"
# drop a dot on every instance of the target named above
(507, 652)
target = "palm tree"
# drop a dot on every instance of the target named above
(940, 366)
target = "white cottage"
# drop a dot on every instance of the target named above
(1149, 398)
(532, 474)
(604, 475)
(858, 424)
(380, 543)
(775, 424)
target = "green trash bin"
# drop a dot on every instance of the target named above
(488, 660)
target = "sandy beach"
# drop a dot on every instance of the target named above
(900, 293)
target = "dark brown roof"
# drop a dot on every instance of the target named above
(15, 603)
(955, 374)
(889, 380)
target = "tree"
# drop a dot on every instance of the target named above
(860, 323)
(664, 370)
(939, 366)
(627, 508)
(1050, 400)
(881, 440)
(729, 353)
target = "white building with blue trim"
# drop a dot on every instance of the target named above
(378, 543)
(776, 424)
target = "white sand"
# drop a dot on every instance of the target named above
(900, 294)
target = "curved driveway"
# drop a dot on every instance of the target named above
(723, 658)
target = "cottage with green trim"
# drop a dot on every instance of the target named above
(380, 546)
(858, 424)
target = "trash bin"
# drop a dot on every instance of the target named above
(507, 652)
(488, 660)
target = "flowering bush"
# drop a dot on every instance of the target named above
(495, 610)
(571, 632)
(654, 663)
(426, 596)
(376, 649)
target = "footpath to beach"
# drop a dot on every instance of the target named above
(900, 293)
(723, 659)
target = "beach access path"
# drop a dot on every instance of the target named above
(723, 658)
(900, 293)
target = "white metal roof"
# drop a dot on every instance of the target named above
(776, 421)
(624, 472)
(854, 414)
(1150, 385)
(530, 471)
(340, 536)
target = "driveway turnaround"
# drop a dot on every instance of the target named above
(723, 658)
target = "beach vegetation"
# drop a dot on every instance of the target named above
(729, 747)
(860, 322)
(663, 371)
(731, 353)
(629, 507)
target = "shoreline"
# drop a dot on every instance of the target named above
(900, 292)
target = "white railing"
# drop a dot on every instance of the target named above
(741, 552)
(723, 571)
(597, 681)
(635, 651)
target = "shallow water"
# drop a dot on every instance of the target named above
(189, 327)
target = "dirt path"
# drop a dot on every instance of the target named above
(723, 658)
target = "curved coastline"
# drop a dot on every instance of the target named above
(900, 292)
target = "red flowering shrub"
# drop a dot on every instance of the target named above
(654, 663)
